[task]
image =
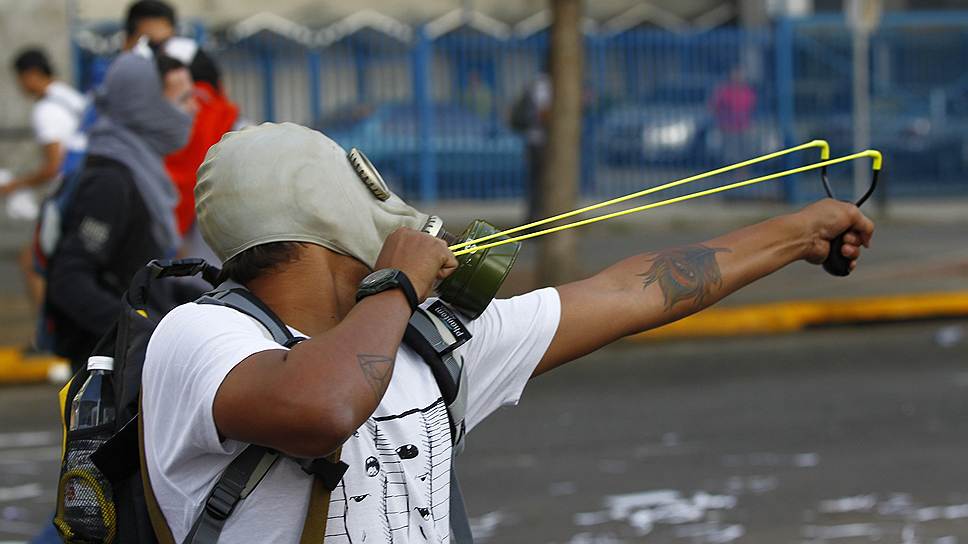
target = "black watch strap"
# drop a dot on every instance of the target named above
(404, 283)
(399, 280)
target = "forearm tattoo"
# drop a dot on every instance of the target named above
(685, 273)
(377, 370)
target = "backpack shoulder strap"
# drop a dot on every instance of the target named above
(250, 467)
(237, 481)
(158, 523)
(434, 334)
(237, 297)
(314, 527)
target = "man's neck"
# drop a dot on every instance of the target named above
(308, 297)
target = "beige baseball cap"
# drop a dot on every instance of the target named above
(288, 183)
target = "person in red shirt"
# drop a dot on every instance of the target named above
(216, 115)
(733, 103)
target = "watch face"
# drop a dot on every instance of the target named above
(378, 277)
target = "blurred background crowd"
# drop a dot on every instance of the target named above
(429, 89)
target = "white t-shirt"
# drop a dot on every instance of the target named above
(397, 488)
(57, 116)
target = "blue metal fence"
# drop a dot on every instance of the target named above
(919, 96)
(433, 112)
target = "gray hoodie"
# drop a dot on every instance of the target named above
(137, 127)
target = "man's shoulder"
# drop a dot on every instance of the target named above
(192, 326)
(47, 115)
(60, 106)
(504, 315)
(207, 319)
(67, 97)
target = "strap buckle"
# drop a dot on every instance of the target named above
(223, 499)
(329, 473)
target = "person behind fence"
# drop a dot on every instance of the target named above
(56, 120)
(120, 215)
(733, 103)
(153, 19)
(323, 245)
(529, 116)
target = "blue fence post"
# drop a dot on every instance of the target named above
(360, 60)
(785, 100)
(201, 33)
(422, 99)
(268, 84)
(315, 89)
(77, 59)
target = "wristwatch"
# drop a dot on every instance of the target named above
(384, 279)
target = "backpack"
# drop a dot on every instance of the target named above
(104, 494)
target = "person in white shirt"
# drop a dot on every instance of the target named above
(56, 120)
(303, 227)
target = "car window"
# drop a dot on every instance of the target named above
(448, 122)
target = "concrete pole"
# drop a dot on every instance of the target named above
(862, 107)
(558, 262)
(863, 17)
(752, 13)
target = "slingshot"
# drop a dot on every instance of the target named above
(482, 270)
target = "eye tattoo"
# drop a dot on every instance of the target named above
(684, 273)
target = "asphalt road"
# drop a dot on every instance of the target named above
(840, 436)
(805, 438)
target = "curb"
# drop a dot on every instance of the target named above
(757, 319)
(15, 368)
(792, 316)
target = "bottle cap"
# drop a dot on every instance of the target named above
(100, 362)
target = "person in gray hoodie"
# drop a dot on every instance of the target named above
(121, 213)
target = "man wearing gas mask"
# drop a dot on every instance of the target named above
(317, 237)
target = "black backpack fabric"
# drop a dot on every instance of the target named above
(103, 467)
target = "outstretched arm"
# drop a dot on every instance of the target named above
(652, 289)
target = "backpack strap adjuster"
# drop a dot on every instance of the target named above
(223, 499)
(329, 473)
(237, 481)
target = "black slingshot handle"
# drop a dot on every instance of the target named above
(836, 264)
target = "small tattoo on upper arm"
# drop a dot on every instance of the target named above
(377, 370)
(685, 273)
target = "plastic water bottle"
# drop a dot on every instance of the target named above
(87, 513)
(94, 403)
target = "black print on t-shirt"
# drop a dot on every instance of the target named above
(372, 467)
(374, 502)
